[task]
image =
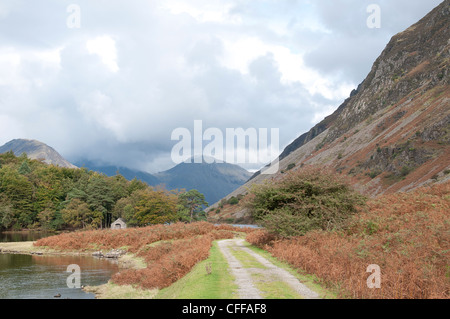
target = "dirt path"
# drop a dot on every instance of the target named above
(245, 275)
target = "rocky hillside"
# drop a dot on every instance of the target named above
(393, 132)
(36, 150)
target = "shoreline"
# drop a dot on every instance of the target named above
(108, 290)
(27, 248)
(24, 230)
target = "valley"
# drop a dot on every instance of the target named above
(358, 209)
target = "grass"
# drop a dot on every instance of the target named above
(198, 284)
(406, 234)
(27, 247)
(132, 261)
(246, 260)
(271, 288)
(174, 262)
(310, 281)
(170, 251)
(114, 291)
(219, 284)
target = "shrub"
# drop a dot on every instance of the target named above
(260, 238)
(290, 166)
(374, 173)
(405, 170)
(406, 234)
(307, 199)
(233, 201)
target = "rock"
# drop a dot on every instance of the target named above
(98, 254)
(115, 253)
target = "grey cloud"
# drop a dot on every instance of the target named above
(351, 47)
(349, 58)
(170, 72)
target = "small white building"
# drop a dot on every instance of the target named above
(118, 224)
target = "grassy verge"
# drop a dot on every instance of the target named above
(198, 284)
(27, 248)
(308, 280)
(405, 234)
(170, 251)
(24, 246)
(246, 260)
(113, 291)
(271, 288)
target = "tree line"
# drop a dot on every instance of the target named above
(37, 195)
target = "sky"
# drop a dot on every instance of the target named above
(110, 81)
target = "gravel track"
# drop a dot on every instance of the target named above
(247, 288)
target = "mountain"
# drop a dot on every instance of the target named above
(393, 132)
(110, 170)
(214, 180)
(36, 150)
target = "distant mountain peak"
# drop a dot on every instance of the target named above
(214, 180)
(36, 150)
(202, 159)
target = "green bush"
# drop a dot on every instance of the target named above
(405, 170)
(374, 173)
(290, 166)
(307, 199)
(233, 201)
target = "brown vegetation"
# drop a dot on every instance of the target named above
(176, 248)
(406, 234)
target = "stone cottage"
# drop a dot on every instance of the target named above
(118, 224)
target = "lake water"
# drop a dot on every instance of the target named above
(246, 225)
(44, 277)
(16, 236)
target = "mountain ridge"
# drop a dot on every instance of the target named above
(36, 150)
(393, 132)
(214, 180)
(441, 25)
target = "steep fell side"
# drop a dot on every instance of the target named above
(392, 133)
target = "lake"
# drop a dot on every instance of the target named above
(44, 277)
(15, 236)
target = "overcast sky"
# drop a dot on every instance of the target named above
(113, 89)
